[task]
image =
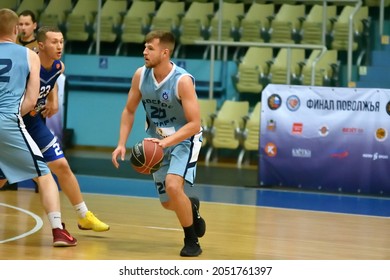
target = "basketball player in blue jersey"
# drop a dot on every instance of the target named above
(50, 44)
(168, 95)
(20, 157)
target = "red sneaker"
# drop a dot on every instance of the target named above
(62, 238)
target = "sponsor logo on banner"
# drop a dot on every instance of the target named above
(381, 134)
(375, 156)
(271, 125)
(352, 130)
(270, 149)
(323, 130)
(339, 154)
(388, 108)
(326, 128)
(274, 101)
(297, 128)
(293, 103)
(302, 153)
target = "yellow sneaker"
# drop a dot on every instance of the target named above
(91, 222)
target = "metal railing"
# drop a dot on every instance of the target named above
(289, 47)
(359, 3)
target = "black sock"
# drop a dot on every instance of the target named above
(189, 233)
(194, 209)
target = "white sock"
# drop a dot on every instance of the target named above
(81, 209)
(55, 220)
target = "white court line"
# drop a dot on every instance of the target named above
(164, 228)
(38, 224)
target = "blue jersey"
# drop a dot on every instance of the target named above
(164, 111)
(14, 70)
(35, 123)
(48, 79)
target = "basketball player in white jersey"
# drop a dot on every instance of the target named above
(172, 111)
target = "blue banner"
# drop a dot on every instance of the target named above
(323, 138)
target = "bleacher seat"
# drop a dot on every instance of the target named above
(55, 13)
(231, 13)
(208, 110)
(376, 3)
(110, 21)
(168, 16)
(136, 23)
(36, 6)
(282, 2)
(340, 31)
(9, 4)
(227, 124)
(251, 68)
(286, 24)
(312, 25)
(256, 22)
(250, 135)
(278, 69)
(194, 24)
(325, 66)
(79, 23)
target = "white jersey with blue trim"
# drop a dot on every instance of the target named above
(164, 111)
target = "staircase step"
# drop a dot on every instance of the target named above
(376, 74)
(381, 58)
(371, 84)
(386, 48)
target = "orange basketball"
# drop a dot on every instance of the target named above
(146, 157)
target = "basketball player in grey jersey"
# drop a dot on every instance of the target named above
(172, 111)
(20, 157)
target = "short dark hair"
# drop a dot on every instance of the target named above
(30, 13)
(166, 38)
(41, 34)
(8, 21)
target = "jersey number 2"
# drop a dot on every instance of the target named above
(5, 67)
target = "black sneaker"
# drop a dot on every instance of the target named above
(190, 249)
(199, 223)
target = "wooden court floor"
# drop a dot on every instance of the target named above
(142, 230)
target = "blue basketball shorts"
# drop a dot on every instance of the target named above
(181, 160)
(45, 139)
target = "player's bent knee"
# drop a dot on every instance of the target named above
(2, 182)
(167, 205)
(60, 166)
(173, 191)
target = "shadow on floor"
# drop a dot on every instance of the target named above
(215, 174)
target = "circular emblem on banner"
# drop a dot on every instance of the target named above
(271, 125)
(274, 101)
(270, 149)
(293, 103)
(381, 134)
(324, 130)
(388, 108)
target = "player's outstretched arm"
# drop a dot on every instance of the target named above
(32, 87)
(127, 118)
